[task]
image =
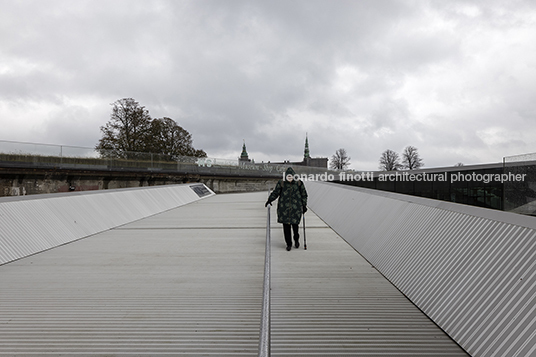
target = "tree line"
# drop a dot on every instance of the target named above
(389, 160)
(131, 131)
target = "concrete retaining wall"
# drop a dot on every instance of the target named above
(233, 185)
(23, 183)
(31, 224)
(471, 270)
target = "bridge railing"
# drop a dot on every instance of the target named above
(21, 154)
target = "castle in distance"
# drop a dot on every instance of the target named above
(321, 162)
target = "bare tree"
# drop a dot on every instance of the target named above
(390, 161)
(411, 159)
(340, 160)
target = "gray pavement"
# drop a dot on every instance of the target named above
(188, 282)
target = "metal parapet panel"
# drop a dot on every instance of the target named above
(31, 224)
(471, 270)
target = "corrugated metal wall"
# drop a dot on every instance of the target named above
(471, 270)
(31, 224)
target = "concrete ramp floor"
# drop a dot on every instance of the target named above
(188, 282)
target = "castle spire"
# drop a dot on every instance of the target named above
(244, 154)
(244, 157)
(306, 151)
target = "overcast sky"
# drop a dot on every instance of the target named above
(456, 79)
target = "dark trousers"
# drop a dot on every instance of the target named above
(288, 236)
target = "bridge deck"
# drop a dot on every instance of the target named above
(189, 282)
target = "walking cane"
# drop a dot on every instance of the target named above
(304, 240)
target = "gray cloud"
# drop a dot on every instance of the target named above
(455, 79)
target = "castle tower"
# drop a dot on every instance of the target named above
(244, 155)
(306, 151)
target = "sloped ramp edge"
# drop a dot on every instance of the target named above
(32, 224)
(471, 270)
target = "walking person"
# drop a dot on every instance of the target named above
(292, 203)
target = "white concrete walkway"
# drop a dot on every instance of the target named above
(188, 282)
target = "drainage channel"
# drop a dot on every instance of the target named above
(264, 336)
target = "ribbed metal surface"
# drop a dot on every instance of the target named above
(329, 301)
(35, 223)
(189, 282)
(186, 282)
(472, 270)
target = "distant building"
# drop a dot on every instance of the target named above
(321, 162)
(309, 161)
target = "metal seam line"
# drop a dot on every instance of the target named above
(264, 336)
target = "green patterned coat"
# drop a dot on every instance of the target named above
(292, 199)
